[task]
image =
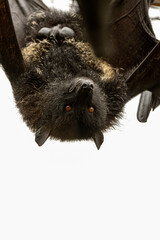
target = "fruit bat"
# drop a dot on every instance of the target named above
(62, 89)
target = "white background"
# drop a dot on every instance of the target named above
(73, 191)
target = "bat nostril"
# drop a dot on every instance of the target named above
(51, 36)
(91, 86)
(84, 85)
(88, 86)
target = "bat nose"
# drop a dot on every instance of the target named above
(86, 91)
(82, 86)
(87, 85)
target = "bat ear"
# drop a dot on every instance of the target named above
(98, 139)
(42, 135)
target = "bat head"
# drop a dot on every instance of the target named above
(78, 112)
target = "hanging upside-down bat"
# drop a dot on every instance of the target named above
(61, 88)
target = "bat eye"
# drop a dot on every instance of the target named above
(91, 109)
(68, 108)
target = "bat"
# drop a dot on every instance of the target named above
(62, 90)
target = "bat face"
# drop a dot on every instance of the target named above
(77, 112)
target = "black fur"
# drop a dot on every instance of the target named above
(65, 72)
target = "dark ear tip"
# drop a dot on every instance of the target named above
(99, 146)
(42, 135)
(98, 139)
(38, 141)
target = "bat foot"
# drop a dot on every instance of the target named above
(55, 33)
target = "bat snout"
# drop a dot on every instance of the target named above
(86, 89)
(87, 86)
(81, 85)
